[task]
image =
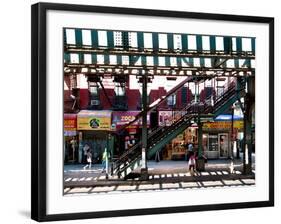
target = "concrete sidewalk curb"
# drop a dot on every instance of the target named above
(116, 182)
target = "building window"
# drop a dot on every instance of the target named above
(119, 89)
(94, 95)
(94, 89)
(171, 100)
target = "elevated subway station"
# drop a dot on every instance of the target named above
(118, 84)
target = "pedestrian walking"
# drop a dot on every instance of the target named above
(192, 163)
(157, 156)
(80, 152)
(85, 150)
(188, 151)
(190, 147)
(73, 144)
(89, 159)
(104, 160)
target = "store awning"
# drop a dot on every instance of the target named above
(228, 117)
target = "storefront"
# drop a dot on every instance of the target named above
(130, 134)
(176, 149)
(217, 137)
(70, 138)
(94, 130)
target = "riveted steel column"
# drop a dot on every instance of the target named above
(239, 45)
(78, 37)
(200, 136)
(144, 174)
(248, 138)
(94, 38)
(200, 166)
(253, 45)
(184, 42)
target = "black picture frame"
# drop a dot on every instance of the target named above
(39, 108)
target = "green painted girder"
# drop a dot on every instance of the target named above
(180, 61)
(213, 44)
(170, 39)
(140, 41)
(227, 41)
(78, 37)
(253, 42)
(110, 39)
(94, 58)
(66, 58)
(155, 42)
(199, 44)
(95, 38)
(64, 36)
(239, 44)
(125, 40)
(184, 43)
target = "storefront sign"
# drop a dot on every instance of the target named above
(120, 118)
(94, 120)
(223, 125)
(166, 118)
(70, 122)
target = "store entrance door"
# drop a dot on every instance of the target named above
(223, 145)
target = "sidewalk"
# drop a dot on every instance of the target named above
(163, 172)
(162, 167)
(166, 175)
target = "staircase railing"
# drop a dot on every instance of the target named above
(187, 113)
(156, 103)
(134, 150)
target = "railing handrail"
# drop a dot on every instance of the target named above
(227, 93)
(154, 104)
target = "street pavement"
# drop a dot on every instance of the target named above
(163, 175)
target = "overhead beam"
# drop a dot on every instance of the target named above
(149, 52)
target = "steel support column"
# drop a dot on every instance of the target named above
(200, 161)
(248, 143)
(144, 174)
(200, 136)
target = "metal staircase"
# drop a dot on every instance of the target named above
(157, 138)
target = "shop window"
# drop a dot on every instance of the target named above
(213, 142)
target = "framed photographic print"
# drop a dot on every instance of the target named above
(140, 111)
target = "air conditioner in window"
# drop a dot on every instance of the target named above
(95, 102)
